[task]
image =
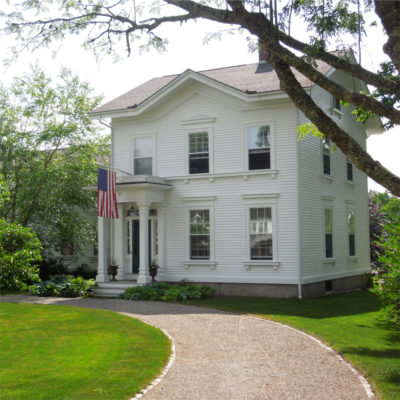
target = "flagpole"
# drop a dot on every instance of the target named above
(114, 169)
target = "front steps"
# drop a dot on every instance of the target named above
(112, 288)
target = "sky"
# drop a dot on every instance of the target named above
(186, 49)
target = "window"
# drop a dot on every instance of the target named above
(351, 230)
(261, 234)
(349, 167)
(200, 234)
(259, 147)
(328, 233)
(143, 156)
(326, 154)
(336, 103)
(67, 248)
(198, 153)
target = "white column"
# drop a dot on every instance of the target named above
(161, 242)
(144, 276)
(119, 240)
(102, 226)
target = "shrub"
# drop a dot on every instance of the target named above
(19, 254)
(166, 292)
(84, 271)
(63, 286)
(387, 285)
(51, 266)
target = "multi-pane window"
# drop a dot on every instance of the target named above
(143, 156)
(349, 167)
(336, 103)
(198, 153)
(326, 154)
(352, 231)
(200, 234)
(328, 233)
(259, 147)
(261, 234)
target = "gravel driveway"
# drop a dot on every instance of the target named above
(228, 356)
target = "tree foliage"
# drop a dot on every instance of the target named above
(387, 285)
(20, 251)
(270, 21)
(48, 149)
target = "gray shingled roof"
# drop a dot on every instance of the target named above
(248, 78)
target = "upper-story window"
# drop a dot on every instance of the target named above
(336, 103)
(349, 170)
(259, 147)
(143, 156)
(326, 155)
(198, 153)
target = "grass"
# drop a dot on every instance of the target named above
(349, 323)
(69, 353)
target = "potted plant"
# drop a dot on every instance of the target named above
(113, 269)
(153, 269)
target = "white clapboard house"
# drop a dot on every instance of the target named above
(221, 191)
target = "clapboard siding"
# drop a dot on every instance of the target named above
(230, 118)
(314, 189)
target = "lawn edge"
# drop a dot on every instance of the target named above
(165, 370)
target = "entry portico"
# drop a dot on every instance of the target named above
(137, 237)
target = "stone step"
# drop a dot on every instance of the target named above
(112, 289)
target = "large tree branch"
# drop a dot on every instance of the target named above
(344, 141)
(389, 13)
(332, 87)
(342, 64)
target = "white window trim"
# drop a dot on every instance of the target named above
(198, 127)
(324, 175)
(261, 200)
(327, 202)
(336, 111)
(199, 203)
(271, 125)
(154, 157)
(350, 208)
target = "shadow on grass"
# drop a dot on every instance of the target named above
(364, 351)
(316, 308)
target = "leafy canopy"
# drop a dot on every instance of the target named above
(48, 150)
(330, 24)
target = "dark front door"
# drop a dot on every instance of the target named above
(136, 245)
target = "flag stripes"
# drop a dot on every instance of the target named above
(106, 195)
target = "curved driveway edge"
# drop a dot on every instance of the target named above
(221, 356)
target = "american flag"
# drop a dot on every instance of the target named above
(106, 196)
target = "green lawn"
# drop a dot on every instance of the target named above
(349, 323)
(59, 352)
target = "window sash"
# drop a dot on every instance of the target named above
(143, 156)
(261, 231)
(349, 171)
(352, 244)
(199, 233)
(259, 147)
(328, 233)
(198, 153)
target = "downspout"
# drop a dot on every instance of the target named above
(300, 294)
(111, 226)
